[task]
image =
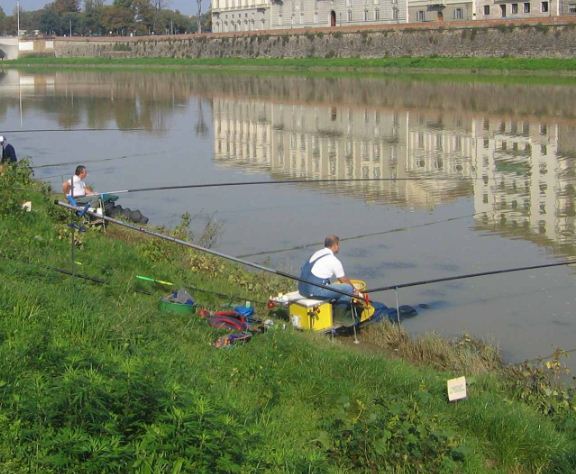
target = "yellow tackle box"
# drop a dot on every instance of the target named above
(310, 314)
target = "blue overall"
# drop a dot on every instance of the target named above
(311, 291)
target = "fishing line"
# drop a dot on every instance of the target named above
(469, 275)
(202, 249)
(280, 181)
(555, 354)
(122, 157)
(42, 130)
(373, 234)
(54, 165)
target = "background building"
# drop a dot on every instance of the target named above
(251, 15)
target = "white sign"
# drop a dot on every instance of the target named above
(26, 46)
(456, 389)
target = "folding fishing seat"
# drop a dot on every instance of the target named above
(93, 204)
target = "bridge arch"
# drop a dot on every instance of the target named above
(8, 48)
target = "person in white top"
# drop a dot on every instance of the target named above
(320, 268)
(76, 187)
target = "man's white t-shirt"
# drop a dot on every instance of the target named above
(327, 267)
(78, 187)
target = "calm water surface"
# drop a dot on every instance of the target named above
(485, 179)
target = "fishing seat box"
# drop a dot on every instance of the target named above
(310, 314)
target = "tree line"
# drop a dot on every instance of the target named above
(123, 17)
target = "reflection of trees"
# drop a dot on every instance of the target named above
(201, 127)
(69, 115)
(401, 93)
(139, 99)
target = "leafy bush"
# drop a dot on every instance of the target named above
(15, 180)
(386, 435)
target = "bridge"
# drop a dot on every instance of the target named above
(8, 48)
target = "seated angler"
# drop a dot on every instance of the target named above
(77, 189)
(320, 268)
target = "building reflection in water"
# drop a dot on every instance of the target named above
(526, 180)
(439, 141)
(520, 172)
(322, 142)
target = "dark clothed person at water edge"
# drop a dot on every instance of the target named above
(8, 151)
(320, 268)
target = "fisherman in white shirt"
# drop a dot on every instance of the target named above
(320, 268)
(77, 188)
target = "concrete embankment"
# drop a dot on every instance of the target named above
(537, 38)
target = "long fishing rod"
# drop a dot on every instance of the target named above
(58, 270)
(43, 130)
(279, 181)
(469, 275)
(294, 277)
(202, 249)
(54, 165)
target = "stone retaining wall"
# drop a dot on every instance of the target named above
(552, 37)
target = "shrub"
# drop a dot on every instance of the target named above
(15, 182)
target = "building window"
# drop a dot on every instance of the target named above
(503, 11)
(458, 143)
(486, 10)
(395, 14)
(420, 15)
(365, 15)
(526, 8)
(439, 144)
(544, 7)
(316, 17)
(458, 14)
(572, 8)
(376, 14)
(514, 8)
(349, 15)
(420, 140)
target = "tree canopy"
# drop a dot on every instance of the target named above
(122, 17)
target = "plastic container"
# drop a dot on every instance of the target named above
(179, 308)
(360, 285)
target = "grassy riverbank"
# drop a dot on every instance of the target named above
(498, 65)
(93, 378)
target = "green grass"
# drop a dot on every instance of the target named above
(93, 378)
(457, 63)
(462, 70)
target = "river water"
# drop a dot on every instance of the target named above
(477, 175)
